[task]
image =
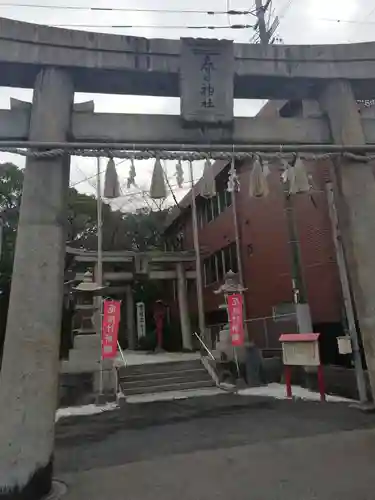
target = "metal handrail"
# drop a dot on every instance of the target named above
(122, 354)
(205, 347)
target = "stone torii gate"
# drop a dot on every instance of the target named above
(207, 75)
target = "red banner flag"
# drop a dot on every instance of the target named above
(110, 326)
(236, 319)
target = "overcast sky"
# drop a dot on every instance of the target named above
(301, 22)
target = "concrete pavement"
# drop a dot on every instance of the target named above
(328, 467)
(219, 447)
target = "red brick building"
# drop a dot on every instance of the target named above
(265, 249)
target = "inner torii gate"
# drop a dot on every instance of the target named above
(207, 75)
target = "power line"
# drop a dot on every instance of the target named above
(94, 176)
(155, 26)
(231, 12)
(285, 9)
(88, 179)
(333, 20)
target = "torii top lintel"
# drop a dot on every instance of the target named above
(104, 63)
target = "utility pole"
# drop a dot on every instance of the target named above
(304, 322)
(266, 33)
(99, 269)
(261, 24)
(198, 262)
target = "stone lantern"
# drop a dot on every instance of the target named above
(86, 291)
(231, 284)
(88, 285)
(87, 345)
(248, 354)
(224, 345)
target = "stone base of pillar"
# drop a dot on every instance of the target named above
(364, 407)
(106, 384)
(82, 387)
(38, 486)
(84, 359)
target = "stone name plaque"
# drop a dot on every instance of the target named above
(206, 81)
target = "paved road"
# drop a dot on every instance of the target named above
(220, 447)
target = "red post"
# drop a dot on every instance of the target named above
(288, 381)
(322, 391)
(159, 332)
(159, 313)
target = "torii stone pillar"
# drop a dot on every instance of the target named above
(183, 307)
(29, 374)
(356, 197)
(130, 324)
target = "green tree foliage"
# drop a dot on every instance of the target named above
(141, 230)
(11, 179)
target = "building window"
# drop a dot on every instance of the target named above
(215, 206)
(220, 263)
(208, 211)
(213, 268)
(228, 199)
(210, 270)
(227, 260)
(230, 258)
(200, 217)
(233, 257)
(211, 208)
(225, 200)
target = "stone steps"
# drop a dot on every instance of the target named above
(156, 389)
(164, 367)
(164, 377)
(167, 379)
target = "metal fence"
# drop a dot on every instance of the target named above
(264, 331)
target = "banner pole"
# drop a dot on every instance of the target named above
(99, 277)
